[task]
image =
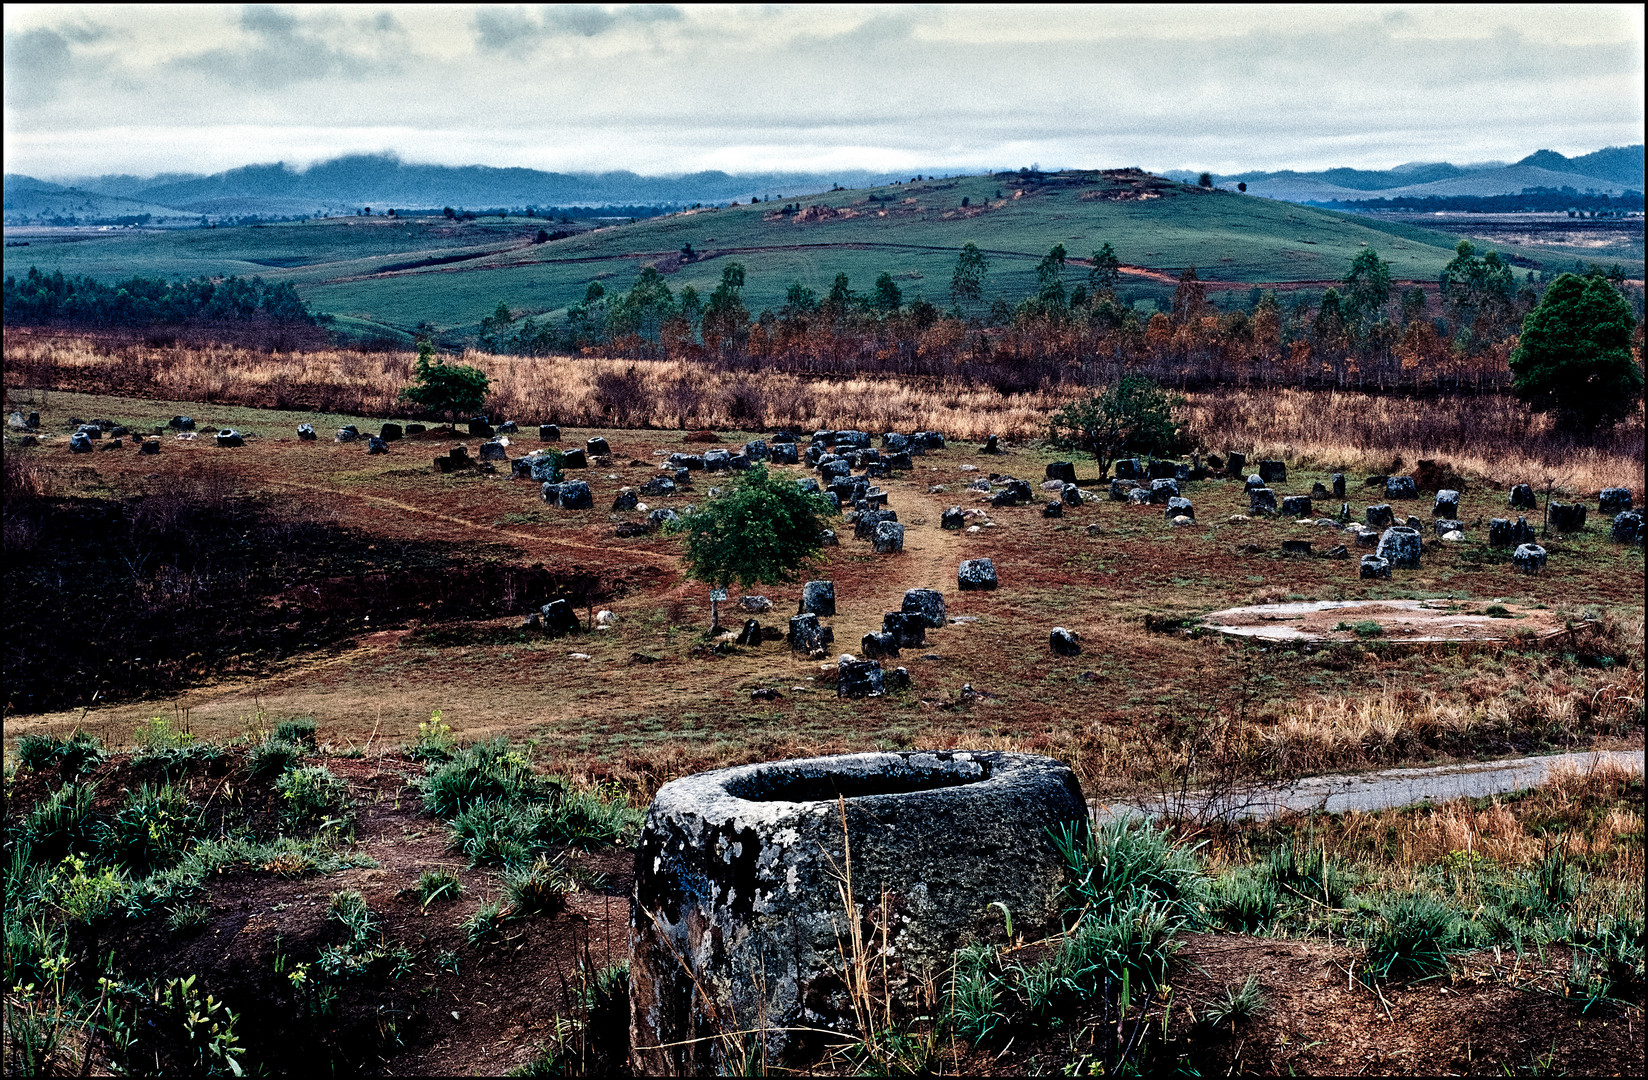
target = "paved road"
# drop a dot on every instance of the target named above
(1381, 790)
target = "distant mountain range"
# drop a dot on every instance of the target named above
(1613, 171)
(381, 181)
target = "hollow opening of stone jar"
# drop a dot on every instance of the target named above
(792, 784)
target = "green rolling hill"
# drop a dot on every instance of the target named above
(397, 273)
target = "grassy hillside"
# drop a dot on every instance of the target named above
(911, 231)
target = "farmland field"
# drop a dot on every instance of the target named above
(344, 266)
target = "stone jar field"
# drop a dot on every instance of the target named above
(369, 589)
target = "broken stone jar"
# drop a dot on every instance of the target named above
(739, 920)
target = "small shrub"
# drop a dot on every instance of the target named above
(1128, 860)
(349, 909)
(273, 756)
(485, 771)
(538, 888)
(435, 740)
(440, 885)
(1414, 937)
(1303, 868)
(1245, 900)
(313, 798)
(62, 824)
(976, 999)
(493, 832)
(160, 733)
(1238, 1005)
(1366, 628)
(296, 731)
(85, 894)
(189, 917)
(1125, 946)
(152, 830)
(484, 923)
(73, 756)
(586, 818)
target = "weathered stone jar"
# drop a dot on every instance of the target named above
(737, 921)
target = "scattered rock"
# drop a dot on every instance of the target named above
(755, 605)
(1400, 546)
(392, 432)
(559, 618)
(626, 499)
(661, 517)
(181, 423)
(1235, 464)
(1522, 498)
(953, 518)
(574, 459)
(80, 443)
(750, 635)
(1177, 507)
(1054, 509)
(347, 434)
(1375, 567)
(1319, 492)
(976, 574)
(1446, 505)
(1064, 642)
(927, 603)
(1380, 516)
(149, 446)
(494, 450)
(1062, 471)
(1627, 527)
(1296, 548)
(1566, 517)
(629, 530)
(818, 598)
(1297, 506)
(908, 628)
(858, 678)
(1273, 472)
(1338, 551)
(889, 538)
(1529, 559)
(1446, 525)
(1261, 501)
(1401, 487)
(376, 445)
(306, 432)
(230, 437)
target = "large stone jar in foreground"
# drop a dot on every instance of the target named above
(737, 920)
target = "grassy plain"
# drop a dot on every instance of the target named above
(911, 231)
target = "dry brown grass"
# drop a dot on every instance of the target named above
(1492, 437)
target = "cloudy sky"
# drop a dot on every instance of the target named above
(660, 89)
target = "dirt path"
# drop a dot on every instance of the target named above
(527, 539)
(1385, 790)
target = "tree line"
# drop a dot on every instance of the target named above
(1362, 333)
(41, 299)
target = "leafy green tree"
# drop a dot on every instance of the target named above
(888, 296)
(799, 301)
(726, 320)
(1050, 278)
(439, 386)
(644, 309)
(1106, 272)
(1367, 286)
(762, 530)
(1574, 356)
(841, 299)
(494, 327)
(967, 283)
(1134, 415)
(1477, 285)
(1205, 180)
(587, 319)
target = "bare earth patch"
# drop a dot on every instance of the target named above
(1397, 620)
